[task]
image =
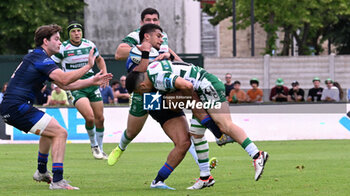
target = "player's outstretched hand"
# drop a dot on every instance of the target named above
(165, 55)
(101, 79)
(92, 57)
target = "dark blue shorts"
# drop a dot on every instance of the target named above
(163, 115)
(23, 116)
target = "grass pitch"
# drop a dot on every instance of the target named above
(294, 168)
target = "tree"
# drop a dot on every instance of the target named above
(339, 34)
(308, 21)
(322, 15)
(20, 18)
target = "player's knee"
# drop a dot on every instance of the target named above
(184, 145)
(62, 133)
(100, 119)
(90, 119)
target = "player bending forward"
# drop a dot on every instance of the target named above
(165, 77)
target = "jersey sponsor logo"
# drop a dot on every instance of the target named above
(153, 65)
(152, 101)
(75, 65)
(166, 65)
(37, 132)
(163, 49)
(168, 83)
(77, 51)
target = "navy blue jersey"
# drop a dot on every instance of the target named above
(122, 90)
(29, 77)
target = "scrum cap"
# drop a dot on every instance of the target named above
(74, 25)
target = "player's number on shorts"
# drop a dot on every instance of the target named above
(97, 93)
(211, 92)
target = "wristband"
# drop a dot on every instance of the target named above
(145, 54)
(172, 57)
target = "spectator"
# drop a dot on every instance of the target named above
(237, 95)
(279, 93)
(255, 94)
(316, 92)
(44, 96)
(3, 92)
(107, 94)
(122, 93)
(330, 93)
(58, 96)
(228, 85)
(296, 94)
(341, 92)
(115, 84)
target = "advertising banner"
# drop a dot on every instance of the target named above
(269, 123)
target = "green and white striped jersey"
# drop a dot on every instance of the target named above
(133, 39)
(164, 73)
(74, 57)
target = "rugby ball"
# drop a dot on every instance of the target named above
(135, 55)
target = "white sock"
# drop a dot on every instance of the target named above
(251, 149)
(204, 169)
(99, 138)
(202, 148)
(192, 150)
(92, 136)
(124, 141)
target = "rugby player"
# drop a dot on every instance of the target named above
(27, 81)
(151, 35)
(166, 77)
(73, 55)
